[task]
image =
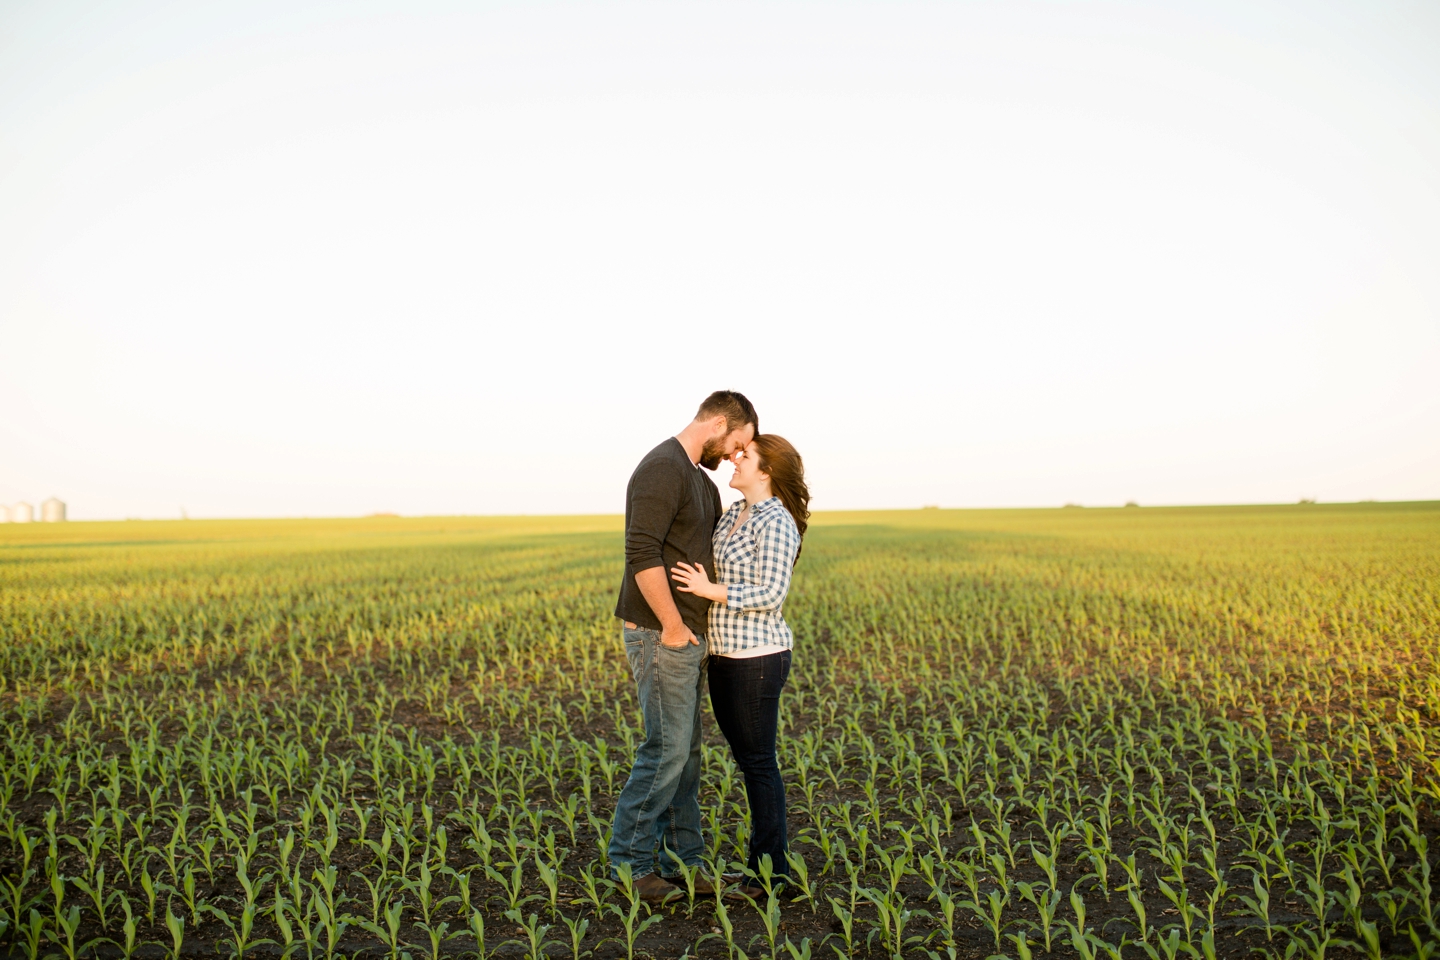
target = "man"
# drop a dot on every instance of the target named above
(671, 507)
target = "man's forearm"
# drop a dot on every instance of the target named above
(655, 588)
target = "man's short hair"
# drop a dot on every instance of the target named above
(737, 410)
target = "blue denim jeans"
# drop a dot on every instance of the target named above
(745, 695)
(659, 807)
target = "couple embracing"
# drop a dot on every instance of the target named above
(682, 626)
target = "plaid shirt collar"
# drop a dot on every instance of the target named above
(759, 510)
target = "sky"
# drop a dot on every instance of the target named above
(311, 259)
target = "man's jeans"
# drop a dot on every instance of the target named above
(745, 695)
(660, 803)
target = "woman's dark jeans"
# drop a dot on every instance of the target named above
(745, 695)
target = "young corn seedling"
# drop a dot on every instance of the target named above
(513, 885)
(152, 891)
(96, 892)
(550, 877)
(176, 926)
(1418, 877)
(1100, 862)
(1213, 899)
(1046, 863)
(896, 868)
(188, 891)
(769, 915)
(800, 879)
(686, 874)
(332, 924)
(438, 933)
(421, 888)
(596, 890)
(947, 906)
(68, 925)
(1426, 946)
(899, 917)
(1312, 944)
(1167, 947)
(1078, 928)
(1189, 913)
(282, 912)
(33, 930)
(1114, 951)
(476, 929)
(846, 919)
(1081, 942)
(991, 912)
(727, 930)
(241, 938)
(577, 928)
(389, 934)
(1046, 903)
(629, 919)
(802, 952)
(1368, 943)
(1259, 905)
(1390, 905)
(128, 929)
(1317, 898)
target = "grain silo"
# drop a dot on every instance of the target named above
(52, 511)
(21, 513)
(4, 514)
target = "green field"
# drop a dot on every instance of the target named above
(1074, 733)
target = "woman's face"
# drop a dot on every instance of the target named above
(747, 468)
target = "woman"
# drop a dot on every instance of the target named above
(757, 542)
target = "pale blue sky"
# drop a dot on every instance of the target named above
(311, 259)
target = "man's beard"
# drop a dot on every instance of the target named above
(712, 453)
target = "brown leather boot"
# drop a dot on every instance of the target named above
(703, 886)
(654, 888)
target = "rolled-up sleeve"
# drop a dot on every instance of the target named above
(777, 543)
(654, 502)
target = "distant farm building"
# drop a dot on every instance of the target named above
(51, 511)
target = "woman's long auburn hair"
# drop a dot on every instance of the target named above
(782, 463)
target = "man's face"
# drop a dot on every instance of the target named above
(722, 448)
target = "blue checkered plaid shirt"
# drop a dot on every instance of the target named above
(754, 564)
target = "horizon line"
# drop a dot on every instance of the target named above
(387, 515)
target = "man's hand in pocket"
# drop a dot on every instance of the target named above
(678, 636)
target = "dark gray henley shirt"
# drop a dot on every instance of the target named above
(671, 506)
